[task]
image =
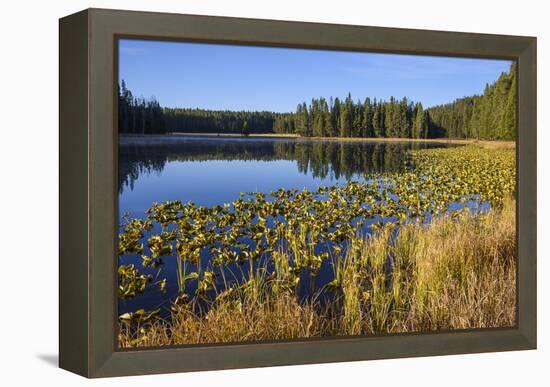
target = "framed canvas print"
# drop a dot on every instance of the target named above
(241, 193)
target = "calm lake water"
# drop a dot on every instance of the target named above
(214, 170)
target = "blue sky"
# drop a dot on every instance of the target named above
(214, 76)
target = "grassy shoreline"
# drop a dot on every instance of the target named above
(131, 138)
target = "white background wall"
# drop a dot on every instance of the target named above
(29, 181)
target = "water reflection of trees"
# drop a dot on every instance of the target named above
(320, 159)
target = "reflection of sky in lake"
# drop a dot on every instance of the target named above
(210, 171)
(214, 182)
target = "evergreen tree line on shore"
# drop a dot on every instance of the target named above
(489, 116)
(146, 116)
(139, 115)
(346, 118)
(184, 120)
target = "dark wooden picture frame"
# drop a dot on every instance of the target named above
(88, 191)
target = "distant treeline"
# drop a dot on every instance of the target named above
(489, 116)
(346, 118)
(146, 116)
(218, 121)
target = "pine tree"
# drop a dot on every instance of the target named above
(419, 122)
(509, 124)
(392, 118)
(403, 119)
(335, 117)
(358, 120)
(300, 122)
(379, 120)
(346, 117)
(367, 119)
(325, 117)
(245, 130)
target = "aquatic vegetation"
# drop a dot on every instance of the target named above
(131, 281)
(379, 237)
(454, 273)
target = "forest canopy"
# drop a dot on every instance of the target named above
(490, 116)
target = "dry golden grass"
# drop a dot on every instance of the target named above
(492, 144)
(454, 273)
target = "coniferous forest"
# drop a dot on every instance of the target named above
(490, 116)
